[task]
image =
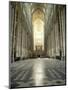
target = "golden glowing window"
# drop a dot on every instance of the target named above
(38, 29)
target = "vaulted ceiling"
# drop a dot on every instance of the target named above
(47, 9)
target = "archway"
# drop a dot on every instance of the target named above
(38, 29)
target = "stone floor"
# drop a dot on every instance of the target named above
(37, 72)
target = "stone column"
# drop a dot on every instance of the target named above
(59, 30)
(62, 21)
(14, 33)
(11, 25)
(54, 42)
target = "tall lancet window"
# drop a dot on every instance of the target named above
(38, 29)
